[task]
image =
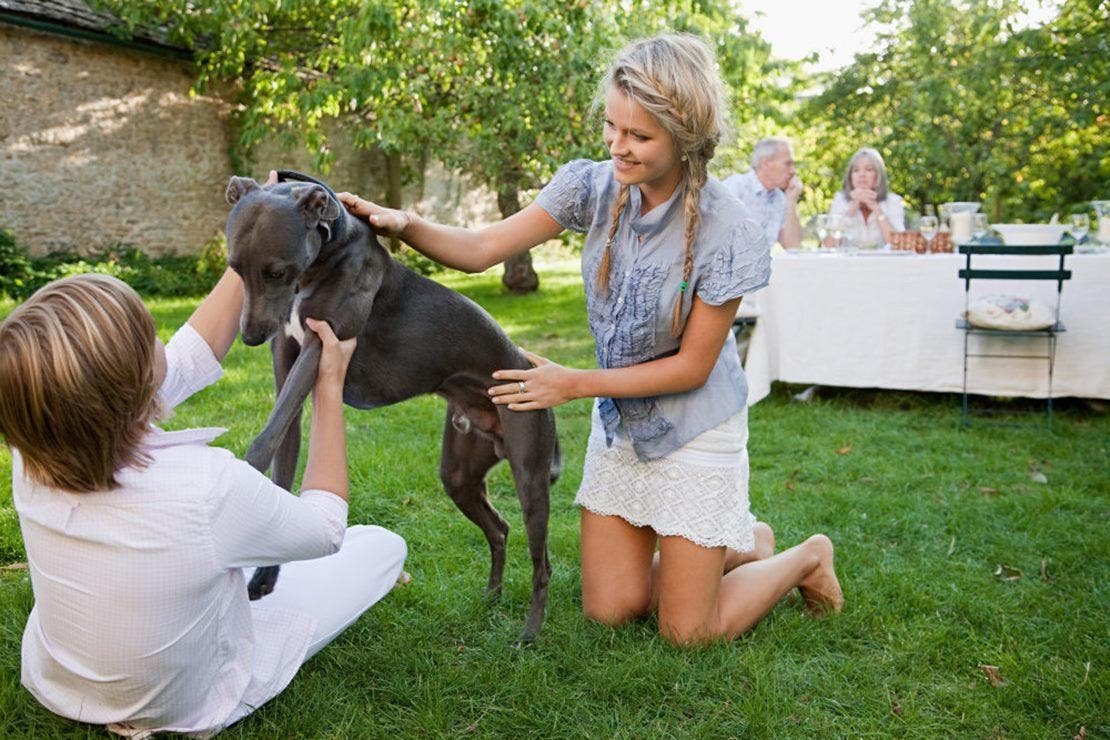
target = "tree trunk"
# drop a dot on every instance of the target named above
(519, 276)
(393, 193)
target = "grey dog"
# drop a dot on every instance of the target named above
(301, 254)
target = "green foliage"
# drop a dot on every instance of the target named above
(965, 105)
(16, 272)
(499, 88)
(21, 275)
(212, 260)
(417, 262)
(963, 100)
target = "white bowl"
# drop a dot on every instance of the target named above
(1030, 235)
(963, 206)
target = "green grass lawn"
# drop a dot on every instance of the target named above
(922, 512)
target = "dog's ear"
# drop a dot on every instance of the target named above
(317, 205)
(237, 187)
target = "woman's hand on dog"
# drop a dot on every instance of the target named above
(546, 385)
(334, 357)
(384, 221)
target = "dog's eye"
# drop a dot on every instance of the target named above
(275, 274)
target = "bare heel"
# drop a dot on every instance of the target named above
(821, 589)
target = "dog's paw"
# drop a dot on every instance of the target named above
(262, 583)
(258, 456)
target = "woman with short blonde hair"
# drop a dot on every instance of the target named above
(137, 538)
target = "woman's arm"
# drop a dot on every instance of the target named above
(326, 468)
(258, 523)
(468, 250)
(548, 384)
(216, 319)
(790, 235)
(890, 217)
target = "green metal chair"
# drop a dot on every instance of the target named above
(1047, 335)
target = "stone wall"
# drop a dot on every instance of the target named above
(443, 195)
(102, 145)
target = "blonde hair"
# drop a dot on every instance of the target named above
(77, 382)
(674, 78)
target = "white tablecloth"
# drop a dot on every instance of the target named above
(888, 321)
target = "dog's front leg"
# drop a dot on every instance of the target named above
(289, 403)
(287, 410)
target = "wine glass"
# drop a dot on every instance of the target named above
(978, 226)
(928, 230)
(1079, 226)
(944, 216)
(822, 228)
(837, 224)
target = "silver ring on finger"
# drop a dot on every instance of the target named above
(523, 388)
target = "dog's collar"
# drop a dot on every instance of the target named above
(294, 176)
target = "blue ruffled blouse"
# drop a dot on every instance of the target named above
(631, 321)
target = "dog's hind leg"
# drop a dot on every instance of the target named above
(467, 457)
(530, 446)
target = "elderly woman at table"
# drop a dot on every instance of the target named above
(873, 212)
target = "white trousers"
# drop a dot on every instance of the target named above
(332, 590)
(337, 589)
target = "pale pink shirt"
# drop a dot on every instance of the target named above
(141, 619)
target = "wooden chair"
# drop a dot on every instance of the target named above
(1047, 335)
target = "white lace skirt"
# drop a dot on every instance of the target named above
(699, 491)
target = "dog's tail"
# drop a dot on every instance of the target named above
(556, 463)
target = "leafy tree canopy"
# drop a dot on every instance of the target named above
(966, 105)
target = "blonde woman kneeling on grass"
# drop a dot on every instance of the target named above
(668, 256)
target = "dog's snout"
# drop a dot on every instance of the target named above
(254, 330)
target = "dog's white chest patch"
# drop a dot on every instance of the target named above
(293, 326)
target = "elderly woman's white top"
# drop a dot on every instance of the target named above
(867, 232)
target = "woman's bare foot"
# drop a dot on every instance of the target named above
(764, 548)
(821, 589)
(404, 579)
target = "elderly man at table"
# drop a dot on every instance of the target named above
(770, 190)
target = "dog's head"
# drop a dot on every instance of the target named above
(274, 234)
